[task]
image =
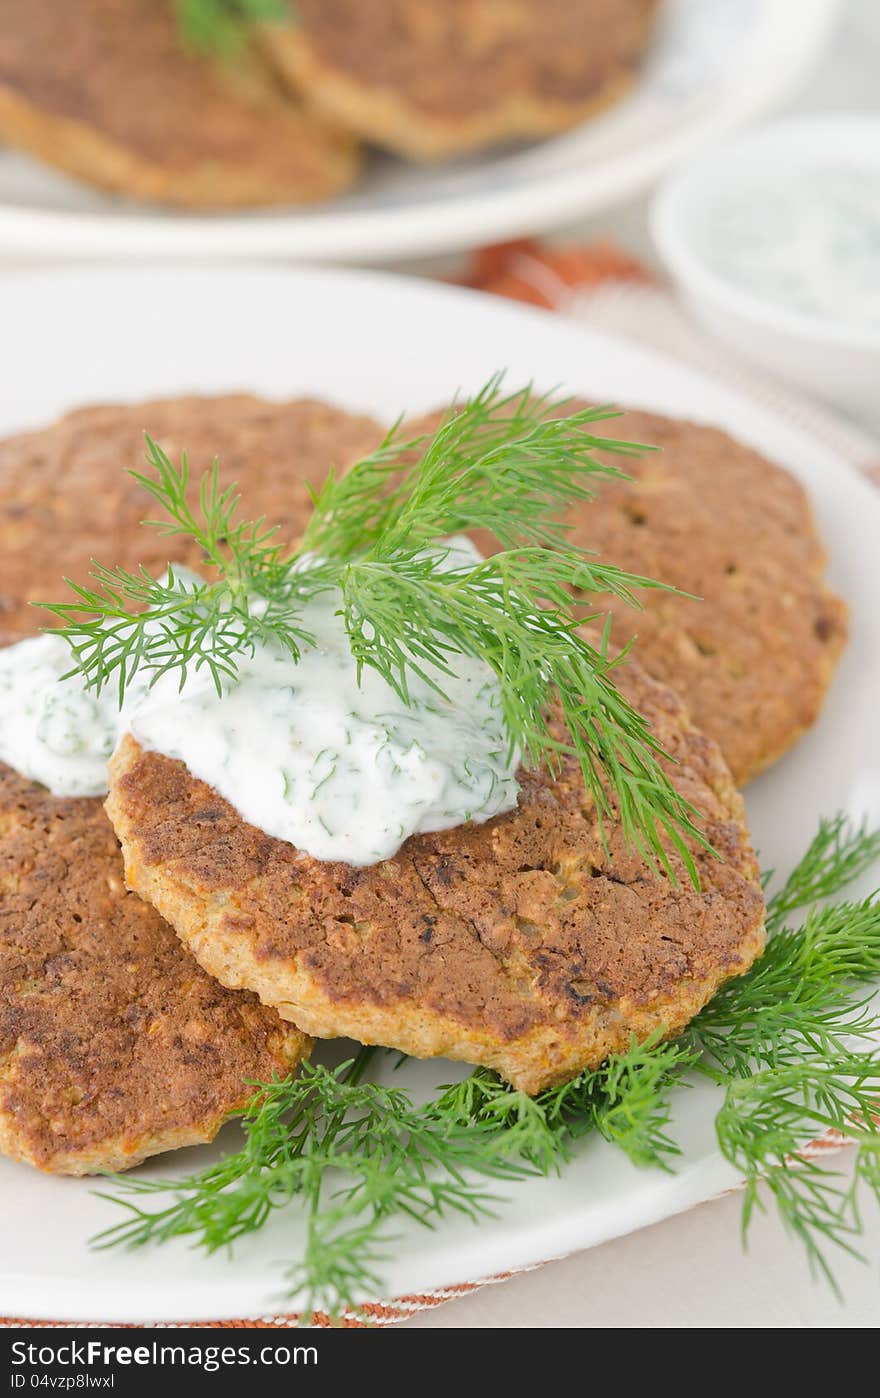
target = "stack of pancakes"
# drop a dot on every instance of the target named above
(109, 91)
(142, 987)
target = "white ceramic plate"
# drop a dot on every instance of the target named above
(381, 344)
(714, 64)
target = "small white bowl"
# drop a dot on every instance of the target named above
(833, 359)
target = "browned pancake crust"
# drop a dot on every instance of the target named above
(105, 90)
(114, 1043)
(429, 79)
(66, 496)
(754, 650)
(754, 645)
(519, 943)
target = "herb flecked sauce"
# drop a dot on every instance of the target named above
(342, 770)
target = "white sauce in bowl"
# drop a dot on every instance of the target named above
(806, 240)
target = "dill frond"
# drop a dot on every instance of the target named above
(835, 857)
(792, 1044)
(355, 1153)
(502, 463)
(221, 26)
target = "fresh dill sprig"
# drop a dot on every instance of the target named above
(177, 622)
(221, 26)
(506, 463)
(795, 1044)
(628, 1099)
(799, 996)
(355, 1153)
(798, 999)
(766, 1125)
(792, 1043)
(837, 854)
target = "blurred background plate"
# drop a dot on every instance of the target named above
(714, 64)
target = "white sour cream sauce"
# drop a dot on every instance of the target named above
(52, 730)
(340, 770)
(809, 241)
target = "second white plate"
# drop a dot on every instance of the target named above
(714, 64)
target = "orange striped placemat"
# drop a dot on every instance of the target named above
(605, 287)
